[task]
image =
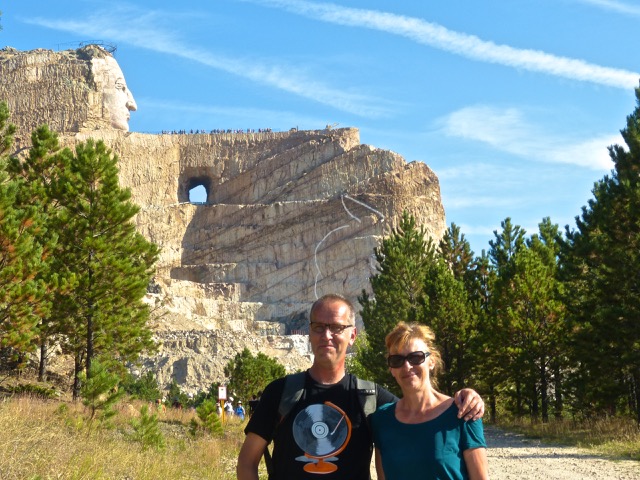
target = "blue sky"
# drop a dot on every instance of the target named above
(512, 104)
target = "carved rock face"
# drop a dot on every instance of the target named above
(71, 90)
(289, 216)
(117, 100)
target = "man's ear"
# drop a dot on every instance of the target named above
(354, 334)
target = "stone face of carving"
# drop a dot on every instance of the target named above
(117, 100)
(71, 90)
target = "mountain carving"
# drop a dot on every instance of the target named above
(287, 216)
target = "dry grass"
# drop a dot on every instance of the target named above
(44, 439)
(612, 437)
(53, 440)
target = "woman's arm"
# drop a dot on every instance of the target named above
(379, 470)
(476, 461)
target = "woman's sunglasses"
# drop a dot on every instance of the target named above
(414, 358)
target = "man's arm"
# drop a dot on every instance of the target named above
(470, 404)
(249, 457)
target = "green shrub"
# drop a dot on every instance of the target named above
(209, 418)
(146, 430)
(35, 390)
(144, 388)
(100, 391)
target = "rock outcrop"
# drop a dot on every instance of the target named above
(288, 217)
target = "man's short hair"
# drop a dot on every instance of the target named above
(331, 298)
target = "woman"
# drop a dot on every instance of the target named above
(420, 436)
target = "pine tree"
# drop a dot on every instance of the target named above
(547, 245)
(21, 257)
(110, 262)
(100, 392)
(498, 332)
(209, 418)
(601, 262)
(450, 315)
(536, 320)
(248, 375)
(467, 277)
(404, 261)
(456, 251)
(146, 430)
(41, 173)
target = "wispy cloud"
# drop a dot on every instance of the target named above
(142, 29)
(614, 6)
(463, 44)
(507, 130)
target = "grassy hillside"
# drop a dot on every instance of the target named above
(44, 439)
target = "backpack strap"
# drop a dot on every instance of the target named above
(292, 393)
(367, 393)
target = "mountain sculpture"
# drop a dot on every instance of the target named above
(288, 216)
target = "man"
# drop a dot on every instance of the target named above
(308, 424)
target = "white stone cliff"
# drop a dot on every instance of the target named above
(289, 216)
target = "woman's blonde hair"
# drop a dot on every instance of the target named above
(402, 335)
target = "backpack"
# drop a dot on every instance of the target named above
(292, 393)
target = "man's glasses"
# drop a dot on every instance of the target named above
(414, 358)
(334, 328)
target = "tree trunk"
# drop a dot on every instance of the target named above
(557, 379)
(492, 403)
(636, 388)
(535, 406)
(77, 368)
(544, 385)
(519, 410)
(89, 322)
(89, 343)
(42, 367)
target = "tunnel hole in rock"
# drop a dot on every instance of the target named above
(199, 188)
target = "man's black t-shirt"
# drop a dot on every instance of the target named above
(289, 459)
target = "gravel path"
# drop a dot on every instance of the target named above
(511, 457)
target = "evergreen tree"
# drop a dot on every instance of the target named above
(249, 375)
(143, 388)
(456, 251)
(601, 262)
(469, 304)
(487, 368)
(404, 261)
(209, 419)
(100, 391)
(21, 257)
(110, 262)
(450, 315)
(547, 246)
(146, 430)
(41, 173)
(498, 330)
(536, 321)
(176, 397)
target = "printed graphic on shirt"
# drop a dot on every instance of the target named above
(322, 431)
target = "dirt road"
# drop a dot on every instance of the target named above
(512, 457)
